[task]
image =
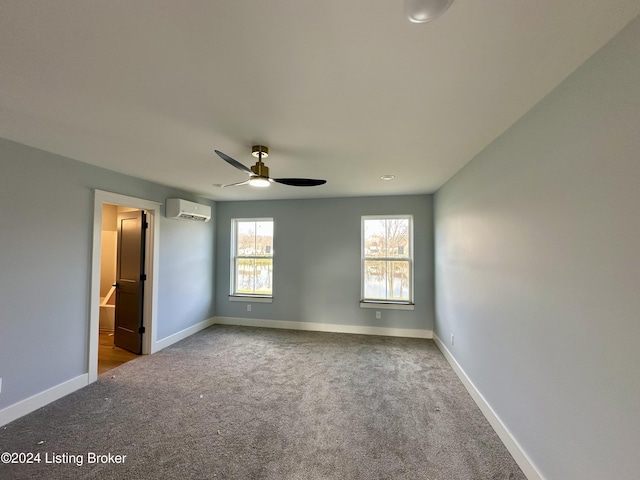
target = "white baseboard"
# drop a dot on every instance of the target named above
(516, 451)
(39, 400)
(325, 327)
(181, 335)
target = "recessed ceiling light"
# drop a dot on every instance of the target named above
(421, 11)
(387, 177)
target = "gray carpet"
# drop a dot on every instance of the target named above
(249, 403)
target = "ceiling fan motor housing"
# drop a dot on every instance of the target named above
(260, 152)
(260, 169)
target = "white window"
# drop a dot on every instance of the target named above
(252, 257)
(387, 259)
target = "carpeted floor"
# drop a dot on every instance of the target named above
(249, 403)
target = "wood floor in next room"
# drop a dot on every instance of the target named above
(110, 356)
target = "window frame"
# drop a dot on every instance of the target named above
(235, 296)
(387, 303)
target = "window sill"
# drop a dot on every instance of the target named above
(386, 305)
(250, 298)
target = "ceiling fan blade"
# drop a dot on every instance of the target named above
(299, 182)
(233, 162)
(231, 184)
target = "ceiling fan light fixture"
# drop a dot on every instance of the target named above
(422, 11)
(259, 173)
(260, 182)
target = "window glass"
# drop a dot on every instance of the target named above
(252, 248)
(387, 259)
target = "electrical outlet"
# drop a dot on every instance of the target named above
(378, 315)
(248, 308)
(452, 339)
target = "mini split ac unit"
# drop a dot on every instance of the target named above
(178, 208)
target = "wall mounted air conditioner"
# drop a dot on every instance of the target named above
(178, 208)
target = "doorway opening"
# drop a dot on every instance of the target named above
(116, 256)
(115, 289)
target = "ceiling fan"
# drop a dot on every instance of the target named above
(259, 173)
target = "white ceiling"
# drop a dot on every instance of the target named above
(341, 90)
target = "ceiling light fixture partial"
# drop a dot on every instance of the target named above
(387, 177)
(259, 182)
(422, 11)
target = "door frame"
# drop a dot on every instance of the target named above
(149, 340)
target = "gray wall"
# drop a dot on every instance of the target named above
(186, 272)
(317, 260)
(46, 222)
(538, 271)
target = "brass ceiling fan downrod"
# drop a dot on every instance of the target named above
(260, 168)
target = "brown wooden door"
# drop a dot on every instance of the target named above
(130, 279)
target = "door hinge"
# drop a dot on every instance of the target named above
(143, 277)
(141, 330)
(145, 225)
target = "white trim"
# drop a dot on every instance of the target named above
(324, 327)
(517, 452)
(387, 305)
(181, 335)
(250, 299)
(39, 400)
(151, 262)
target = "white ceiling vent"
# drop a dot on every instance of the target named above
(178, 208)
